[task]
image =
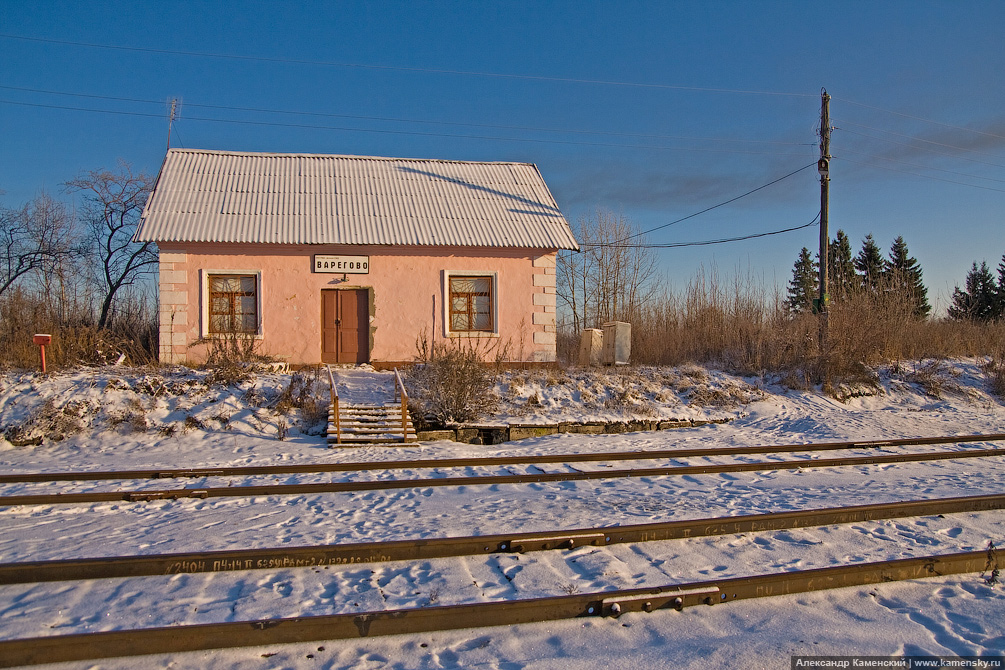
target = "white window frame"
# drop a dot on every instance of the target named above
(204, 275)
(448, 332)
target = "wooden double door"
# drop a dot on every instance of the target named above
(345, 326)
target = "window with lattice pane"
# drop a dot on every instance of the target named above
(233, 304)
(471, 304)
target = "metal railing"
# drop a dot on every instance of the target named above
(334, 406)
(399, 390)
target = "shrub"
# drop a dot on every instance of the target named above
(51, 421)
(233, 358)
(303, 394)
(451, 384)
(994, 373)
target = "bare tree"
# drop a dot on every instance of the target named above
(573, 280)
(113, 202)
(34, 237)
(613, 276)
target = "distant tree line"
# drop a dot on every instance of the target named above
(898, 274)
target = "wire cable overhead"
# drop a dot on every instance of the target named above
(920, 118)
(308, 126)
(723, 240)
(399, 68)
(716, 206)
(359, 117)
(917, 148)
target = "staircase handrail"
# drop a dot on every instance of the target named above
(399, 389)
(334, 405)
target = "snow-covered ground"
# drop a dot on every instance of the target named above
(119, 419)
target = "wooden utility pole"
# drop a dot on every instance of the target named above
(823, 167)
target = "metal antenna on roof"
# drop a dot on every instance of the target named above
(175, 108)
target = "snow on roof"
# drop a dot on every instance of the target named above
(222, 196)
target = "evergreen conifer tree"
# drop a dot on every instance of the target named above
(869, 263)
(803, 287)
(904, 275)
(1001, 289)
(841, 269)
(978, 302)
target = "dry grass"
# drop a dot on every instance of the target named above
(51, 421)
(306, 392)
(934, 377)
(632, 391)
(133, 417)
(131, 340)
(994, 373)
(163, 401)
(741, 328)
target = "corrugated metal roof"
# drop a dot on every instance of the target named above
(222, 196)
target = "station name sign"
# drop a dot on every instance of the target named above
(350, 265)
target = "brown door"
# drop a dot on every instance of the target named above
(345, 326)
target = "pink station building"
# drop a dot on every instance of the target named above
(353, 259)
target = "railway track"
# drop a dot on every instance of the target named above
(426, 548)
(312, 468)
(613, 603)
(483, 480)
(174, 639)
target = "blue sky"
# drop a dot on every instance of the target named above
(653, 110)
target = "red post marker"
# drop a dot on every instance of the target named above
(42, 340)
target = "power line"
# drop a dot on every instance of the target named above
(924, 149)
(82, 109)
(721, 204)
(404, 120)
(676, 245)
(923, 167)
(402, 132)
(399, 68)
(919, 139)
(918, 174)
(919, 118)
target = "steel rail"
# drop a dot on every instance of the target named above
(427, 548)
(246, 470)
(477, 480)
(196, 637)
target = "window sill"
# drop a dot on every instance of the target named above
(232, 336)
